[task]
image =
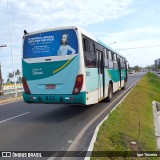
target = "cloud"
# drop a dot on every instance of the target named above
(152, 12)
(39, 14)
(130, 34)
(132, 38)
(53, 13)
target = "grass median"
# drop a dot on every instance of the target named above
(132, 121)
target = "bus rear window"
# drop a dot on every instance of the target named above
(51, 43)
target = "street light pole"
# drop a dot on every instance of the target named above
(15, 86)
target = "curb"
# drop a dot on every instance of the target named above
(93, 140)
(156, 117)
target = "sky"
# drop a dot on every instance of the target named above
(130, 24)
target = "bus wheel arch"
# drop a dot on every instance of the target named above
(110, 92)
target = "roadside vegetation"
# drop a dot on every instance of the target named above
(132, 121)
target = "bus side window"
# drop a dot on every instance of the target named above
(85, 45)
(110, 58)
(106, 64)
(89, 55)
(122, 62)
(115, 61)
(124, 66)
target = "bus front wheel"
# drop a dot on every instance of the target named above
(110, 93)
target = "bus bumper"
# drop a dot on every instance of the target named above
(56, 99)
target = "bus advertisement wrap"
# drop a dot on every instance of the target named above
(52, 43)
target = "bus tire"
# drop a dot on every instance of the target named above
(110, 93)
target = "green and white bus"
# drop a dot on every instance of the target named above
(69, 66)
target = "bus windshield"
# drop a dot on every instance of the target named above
(50, 43)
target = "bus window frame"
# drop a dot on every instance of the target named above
(89, 52)
(110, 59)
(106, 58)
(115, 65)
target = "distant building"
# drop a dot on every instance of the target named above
(157, 62)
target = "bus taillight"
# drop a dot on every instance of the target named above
(25, 86)
(78, 84)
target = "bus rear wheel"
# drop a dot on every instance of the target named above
(110, 93)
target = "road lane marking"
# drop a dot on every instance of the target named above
(14, 117)
(70, 141)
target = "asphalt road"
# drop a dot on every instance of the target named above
(53, 127)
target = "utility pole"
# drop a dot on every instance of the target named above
(13, 67)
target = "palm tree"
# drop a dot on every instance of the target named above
(17, 74)
(10, 76)
(8, 80)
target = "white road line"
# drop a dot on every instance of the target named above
(14, 117)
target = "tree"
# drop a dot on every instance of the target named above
(19, 79)
(17, 75)
(18, 72)
(136, 68)
(10, 76)
(8, 80)
(130, 69)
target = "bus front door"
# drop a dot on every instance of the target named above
(100, 75)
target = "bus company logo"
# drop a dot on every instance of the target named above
(37, 71)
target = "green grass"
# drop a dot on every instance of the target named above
(132, 120)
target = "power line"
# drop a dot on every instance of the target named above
(137, 47)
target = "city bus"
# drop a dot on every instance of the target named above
(67, 65)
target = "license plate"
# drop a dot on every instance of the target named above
(50, 86)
